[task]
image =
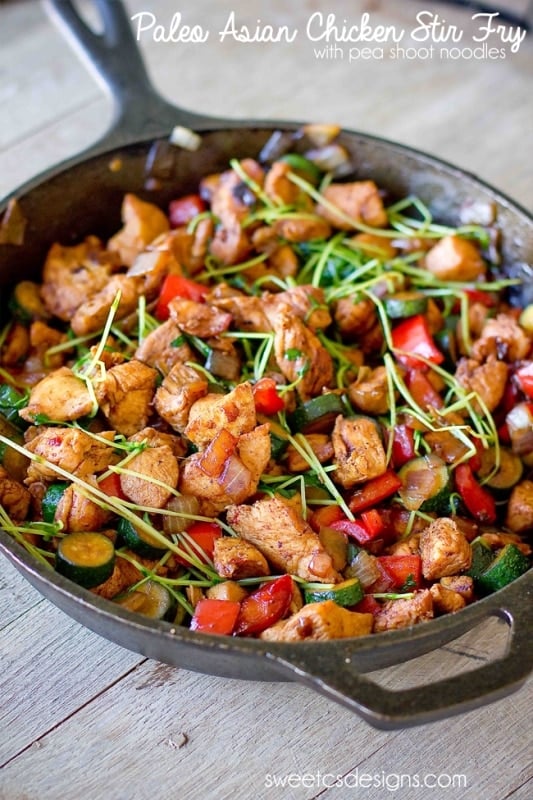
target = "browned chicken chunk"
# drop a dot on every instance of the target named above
(302, 229)
(519, 518)
(182, 387)
(444, 549)
(359, 201)
(70, 449)
(503, 338)
(234, 411)
(461, 584)
(164, 347)
(318, 622)
(92, 314)
(125, 395)
(455, 259)
(14, 497)
(446, 601)
(320, 444)
(198, 319)
(278, 530)
(370, 391)
(405, 612)
(60, 396)
(487, 380)
(308, 303)
(301, 356)
(156, 476)
(78, 513)
(143, 222)
(235, 558)
(359, 452)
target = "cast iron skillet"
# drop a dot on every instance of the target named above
(83, 196)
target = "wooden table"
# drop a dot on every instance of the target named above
(83, 718)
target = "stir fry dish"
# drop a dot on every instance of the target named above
(288, 406)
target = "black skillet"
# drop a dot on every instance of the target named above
(83, 196)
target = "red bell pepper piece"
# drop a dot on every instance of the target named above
(374, 491)
(477, 499)
(475, 461)
(403, 445)
(368, 605)
(478, 296)
(373, 522)
(266, 398)
(325, 516)
(403, 570)
(353, 528)
(204, 536)
(265, 606)
(178, 286)
(111, 486)
(184, 209)
(422, 391)
(215, 616)
(413, 337)
(524, 378)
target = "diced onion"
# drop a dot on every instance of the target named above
(321, 134)
(365, 567)
(184, 137)
(331, 158)
(520, 424)
(184, 504)
(236, 478)
(223, 365)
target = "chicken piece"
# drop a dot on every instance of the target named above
(498, 540)
(308, 303)
(283, 261)
(198, 319)
(125, 395)
(406, 547)
(478, 315)
(150, 269)
(320, 444)
(123, 576)
(446, 601)
(444, 549)
(71, 449)
(59, 396)
(443, 443)
(301, 356)
(404, 613)
(455, 259)
(227, 590)
(359, 453)
(231, 198)
(234, 411)
(71, 275)
(182, 387)
(152, 437)
(355, 318)
(91, 315)
(519, 517)
(487, 380)
(164, 347)
(151, 465)
(143, 222)
(370, 392)
(374, 246)
(302, 229)
(15, 346)
(460, 584)
(77, 512)
(279, 188)
(230, 244)
(502, 338)
(319, 622)
(39, 361)
(248, 312)
(235, 558)
(360, 201)
(239, 478)
(275, 526)
(14, 497)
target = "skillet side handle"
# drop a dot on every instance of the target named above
(115, 59)
(391, 710)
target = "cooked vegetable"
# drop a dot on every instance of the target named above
(25, 302)
(501, 469)
(264, 607)
(51, 498)
(411, 338)
(508, 565)
(482, 557)
(317, 415)
(477, 499)
(426, 485)
(348, 593)
(11, 402)
(86, 558)
(215, 616)
(151, 599)
(405, 304)
(139, 541)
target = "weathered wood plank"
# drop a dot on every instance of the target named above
(16, 594)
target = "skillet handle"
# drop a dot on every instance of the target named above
(114, 57)
(390, 710)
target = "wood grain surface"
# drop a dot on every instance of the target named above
(81, 718)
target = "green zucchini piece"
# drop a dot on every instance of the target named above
(139, 541)
(25, 303)
(508, 565)
(426, 485)
(151, 599)
(446, 341)
(51, 498)
(405, 304)
(482, 557)
(509, 471)
(317, 415)
(11, 401)
(14, 462)
(302, 164)
(86, 558)
(347, 593)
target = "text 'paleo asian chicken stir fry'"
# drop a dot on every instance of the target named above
(289, 407)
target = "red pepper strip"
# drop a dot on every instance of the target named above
(478, 296)
(266, 398)
(355, 529)
(204, 536)
(178, 286)
(213, 459)
(368, 605)
(403, 445)
(265, 606)
(324, 516)
(183, 210)
(111, 486)
(503, 434)
(475, 461)
(413, 336)
(477, 499)
(215, 616)
(373, 522)
(524, 378)
(373, 492)
(422, 391)
(402, 570)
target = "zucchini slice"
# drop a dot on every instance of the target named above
(405, 304)
(139, 541)
(426, 485)
(86, 558)
(347, 593)
(51, 498)
(317, 415)
(151, 599)
(508, 565)
(482, 558)
(509, 471)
